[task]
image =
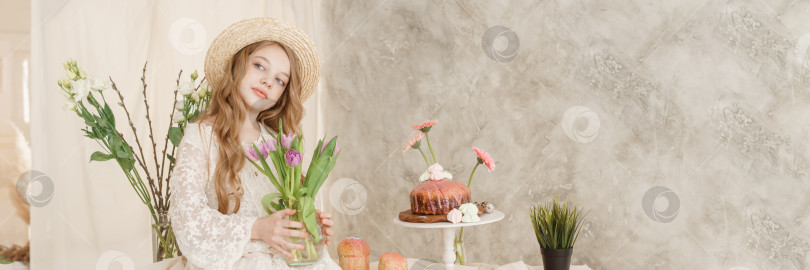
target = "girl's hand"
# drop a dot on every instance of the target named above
(274, 230)
(326, 223)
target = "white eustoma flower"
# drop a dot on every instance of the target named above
(185, 88)
(195, 97)
(203, 91)
(178, 105)
(99, 84)
(70, 105)
(81, 88)
(71, 75)
(66, 93)
(178, 117)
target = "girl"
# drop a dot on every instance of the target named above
(260, 70)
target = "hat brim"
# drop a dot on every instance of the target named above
(249, 31)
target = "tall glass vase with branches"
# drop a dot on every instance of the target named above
(86, 98)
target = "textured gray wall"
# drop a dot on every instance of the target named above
(681, 125)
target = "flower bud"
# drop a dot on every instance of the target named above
(194, 75)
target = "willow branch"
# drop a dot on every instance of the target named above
(152, 138)
(137, 141)
(166, 142)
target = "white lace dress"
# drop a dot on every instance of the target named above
(207, 238)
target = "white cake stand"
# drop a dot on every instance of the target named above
(449, 233)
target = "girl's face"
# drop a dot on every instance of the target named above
(266, 76)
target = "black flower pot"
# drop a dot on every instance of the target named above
(556, 259)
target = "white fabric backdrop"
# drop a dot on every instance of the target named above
(94, 217)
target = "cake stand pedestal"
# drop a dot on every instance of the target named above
(449, 233)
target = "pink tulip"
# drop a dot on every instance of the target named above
(337, 149)
(251, 154)
(266, 147)
(286, 140)
(293, 158)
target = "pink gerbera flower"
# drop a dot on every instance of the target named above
(425, 127)
(483, 157)
(414, 142)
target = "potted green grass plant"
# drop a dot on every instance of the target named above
(556, 225)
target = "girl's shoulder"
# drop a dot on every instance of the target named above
(199, 132)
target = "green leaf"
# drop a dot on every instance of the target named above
(267, 169)
(278, 161)
(109, 112)
(127, 164)
(175, 135)
(317, 173)
(309, 218)
(317, 152)
(268, 202)
(99, 156)
(301, 192)
(556, 225)
(171, 158)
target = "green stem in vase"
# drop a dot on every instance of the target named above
(459, 241)
(459, 245)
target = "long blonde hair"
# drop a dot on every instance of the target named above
(226, 111)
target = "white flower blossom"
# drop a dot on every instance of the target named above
(81, 88)
(70, 105)
(100, 85)
(185, 88)
(178, 105)
(178, 117)
(66, 93)
(195, 97)
(203, 91)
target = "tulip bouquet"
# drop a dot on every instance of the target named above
(435, 172)
(294, 191)
(86, 97)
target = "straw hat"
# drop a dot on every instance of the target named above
(253, 30)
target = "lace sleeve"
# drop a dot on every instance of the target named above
(206, 237)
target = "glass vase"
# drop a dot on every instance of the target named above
(312, 250)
